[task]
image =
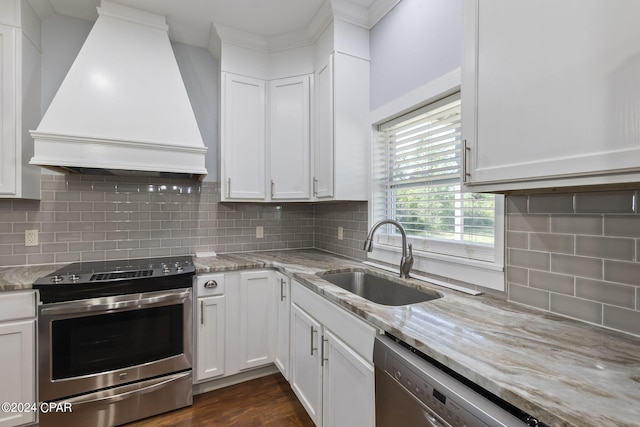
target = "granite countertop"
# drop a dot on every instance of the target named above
(563, 372)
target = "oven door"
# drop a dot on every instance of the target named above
(92, 344)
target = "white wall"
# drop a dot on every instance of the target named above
(62, 38)
(416, 42)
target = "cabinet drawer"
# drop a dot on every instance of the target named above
(17, 305)
(209, 284)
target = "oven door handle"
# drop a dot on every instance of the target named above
(89, 306)
(108, 396)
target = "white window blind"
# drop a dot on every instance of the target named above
(418, 169)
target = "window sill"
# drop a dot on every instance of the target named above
(482, 273)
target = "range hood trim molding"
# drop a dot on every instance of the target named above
(58, 137)
(185, 159)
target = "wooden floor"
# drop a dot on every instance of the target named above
(266, 401)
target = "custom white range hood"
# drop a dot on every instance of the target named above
(123, 108)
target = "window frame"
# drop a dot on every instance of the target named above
(386, 248)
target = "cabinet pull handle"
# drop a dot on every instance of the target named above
(313, 331)
(465, 150)
(315, 187)
(210, 284)
(228, 188)
(322, 358)
(282, 295)
(202, 312)
(272, 185)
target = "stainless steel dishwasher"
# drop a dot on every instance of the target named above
(413, 391)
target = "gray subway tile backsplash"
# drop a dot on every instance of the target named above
(593, 246)
(621, 319)
(552, 282)
(606, 247)
(605, 202)
(529, 296)
(606, 292)
(95, 218)
(557, 203)
(586, 310)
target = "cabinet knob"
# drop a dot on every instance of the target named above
(210, 284)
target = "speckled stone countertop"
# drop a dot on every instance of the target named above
(564, 372)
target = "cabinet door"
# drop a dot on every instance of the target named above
(543, 108)
(210, 337)
(284, 312)
(243, 138)
(289, 138)
(348, 385)
(17, 370)
(8, 119)
(306, 371)
(257, 319)
(323, 142)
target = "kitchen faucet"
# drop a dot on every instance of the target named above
(406, 262)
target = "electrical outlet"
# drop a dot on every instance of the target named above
(259, 232)
(31, 237)
(340, 233)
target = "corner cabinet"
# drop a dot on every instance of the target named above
(289, 138)
(342, 132)
(552, 107)
(243, 138)
(257, 338)
(333, 380)
(17, 355)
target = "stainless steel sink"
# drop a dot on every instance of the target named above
(378, 289)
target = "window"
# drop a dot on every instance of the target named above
(417, 182)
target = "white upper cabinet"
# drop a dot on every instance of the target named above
(19, 100)
(323, 146)
(289, 138)
(342, 133)
(550, 93)
(243, 138)
(306, 137)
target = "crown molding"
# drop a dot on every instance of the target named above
(344, 10)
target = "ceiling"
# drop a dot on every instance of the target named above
(190, 21)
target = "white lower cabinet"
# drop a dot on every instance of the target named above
(257, 319)
(246, 320)
(306, 371)
(17, 356)
(333, 380)
(282, 329)
(234, 323)
(348, 397)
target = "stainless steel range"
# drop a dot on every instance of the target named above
(115, 340)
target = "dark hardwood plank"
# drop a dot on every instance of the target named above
(266, 401)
